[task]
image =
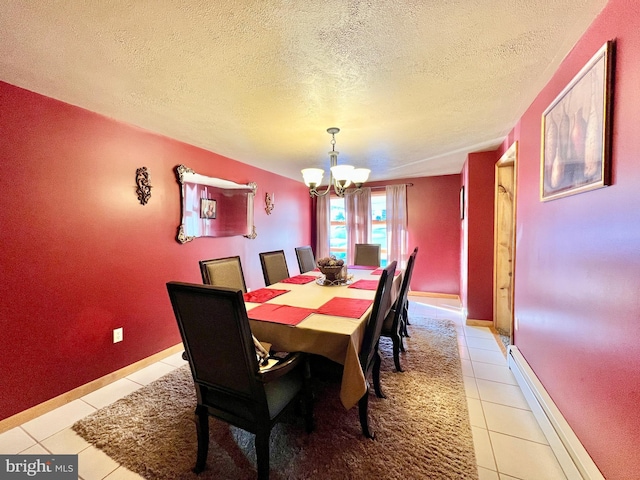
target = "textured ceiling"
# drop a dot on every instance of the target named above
(413, 85)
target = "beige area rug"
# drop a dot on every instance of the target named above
(422, 427)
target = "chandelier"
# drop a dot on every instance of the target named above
(341, 176)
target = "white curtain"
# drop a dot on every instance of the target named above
(397, 240)
(323, 226)
(357, 206)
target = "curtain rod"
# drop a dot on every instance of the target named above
(380, 187)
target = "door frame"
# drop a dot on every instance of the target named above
(508, 159)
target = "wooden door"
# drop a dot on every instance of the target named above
(504, 242)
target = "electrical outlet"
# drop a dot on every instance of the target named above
(117, 335)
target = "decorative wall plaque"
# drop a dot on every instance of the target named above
(143, 189)
(269, 202)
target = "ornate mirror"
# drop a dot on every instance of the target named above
(212, 207)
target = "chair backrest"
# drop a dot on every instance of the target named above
(367, 254)
(274, 266)
(223, 272)
(378, 313)
(217, 339)
(306, 260)
(404, 287)
(408, 272)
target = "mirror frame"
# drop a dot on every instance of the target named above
(187, 175)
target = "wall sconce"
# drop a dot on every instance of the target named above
(270, 202)
(144, 189)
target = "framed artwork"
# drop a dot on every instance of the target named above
(576, 131)
(462, 203)
(207, 208)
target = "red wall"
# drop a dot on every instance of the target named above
(81, 256)
(577, 285)
(434, 227)
(477, 236)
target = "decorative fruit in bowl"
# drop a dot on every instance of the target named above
(331, 267)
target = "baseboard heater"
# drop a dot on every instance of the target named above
(574, 459)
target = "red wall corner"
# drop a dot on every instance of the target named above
(477, 235)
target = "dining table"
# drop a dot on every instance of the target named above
(304, 313)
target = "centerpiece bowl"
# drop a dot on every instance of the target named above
(333, 270)
(332, 273)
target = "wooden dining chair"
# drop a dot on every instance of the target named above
(306, 260)
(369, 355)
(393, 326)
(405, 313)
(367, 254)
(223, 272)
(230, 385)
(274, 266)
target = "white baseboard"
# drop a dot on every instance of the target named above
(451, 296)
(571, 454)
(479, 323)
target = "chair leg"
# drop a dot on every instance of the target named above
(399, 331)
(405, 312)
(262, 454)
(376, 375)
(202, 428)
(405, 322)
(397, 346)
(363, 408)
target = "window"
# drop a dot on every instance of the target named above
(379, 223)
(338, 233)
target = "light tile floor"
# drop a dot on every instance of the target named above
(509, 444)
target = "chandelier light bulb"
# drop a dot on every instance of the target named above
(359, 176)
(312, 177)
(342, 174)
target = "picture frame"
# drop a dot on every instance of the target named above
(208, 208)
(576, 131)
(462, 203)
(232, 206)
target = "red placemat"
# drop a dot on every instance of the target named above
(361, 267)
(299, 279)
(263, 294)
(286, 314)
(365, 284)
(378, 271)
(345, 307)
